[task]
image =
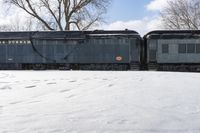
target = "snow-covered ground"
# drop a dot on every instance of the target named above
(99, 102)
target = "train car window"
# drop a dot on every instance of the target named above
(190, 48)
(1, 42)
(4, 42)
(28, 42)
(182, 48)
(165, 48)
(197, 48)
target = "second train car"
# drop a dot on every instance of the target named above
(173, 50)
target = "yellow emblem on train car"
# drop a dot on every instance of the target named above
(119, 58)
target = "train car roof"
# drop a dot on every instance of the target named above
(65, 34)
(173, 34)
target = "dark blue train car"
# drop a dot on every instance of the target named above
(87, 50)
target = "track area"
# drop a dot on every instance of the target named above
(99, 102)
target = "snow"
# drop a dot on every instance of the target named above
(99, 102)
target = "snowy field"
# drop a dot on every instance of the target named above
(99, 102)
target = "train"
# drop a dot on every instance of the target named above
(162, 50)
(173, 50)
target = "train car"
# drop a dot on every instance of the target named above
(173, 50)
(87, 50)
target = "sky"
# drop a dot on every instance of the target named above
(126, 10)
(139, 15)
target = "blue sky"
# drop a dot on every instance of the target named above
(126, 10)
(140, 15)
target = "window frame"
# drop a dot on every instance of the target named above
(197, 50)
(191, 50)
(165, 48)
(181, 50)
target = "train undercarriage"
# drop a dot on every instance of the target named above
(60, 66)
(179, 67)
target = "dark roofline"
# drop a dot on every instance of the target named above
(172, 34)
(65, 34)
(84, 32)
(173, 31)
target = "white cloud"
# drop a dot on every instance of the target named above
(145, 24)
(156, 5)
(10, 15)
(142, 26)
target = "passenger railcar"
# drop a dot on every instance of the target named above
(87, 50)
(173, 50)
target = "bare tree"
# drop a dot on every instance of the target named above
(64, 14)
(182, 14)
(5, 27)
